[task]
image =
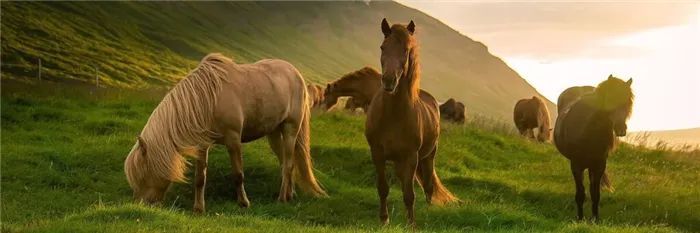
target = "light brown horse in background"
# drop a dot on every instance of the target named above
(361, 85)
(584, 134)
(222, 102)
(315, 95)
(403, 124)
(529, 114)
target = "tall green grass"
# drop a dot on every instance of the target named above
(63, 149)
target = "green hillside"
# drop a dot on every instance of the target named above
(134, 44)
(63, 149)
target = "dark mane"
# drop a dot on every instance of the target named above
(613, 96)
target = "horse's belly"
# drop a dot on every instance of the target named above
(255, 133)
(257, 128)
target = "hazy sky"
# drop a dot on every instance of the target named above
(555, 45)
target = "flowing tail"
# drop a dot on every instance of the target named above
(441, 196)
(303, 171)
(606, 184)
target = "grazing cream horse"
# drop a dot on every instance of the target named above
(224, 103)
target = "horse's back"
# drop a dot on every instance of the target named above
(571, 128)
(259, 96)
(570, 95)
(430, 121)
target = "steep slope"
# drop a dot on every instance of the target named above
(133, 44)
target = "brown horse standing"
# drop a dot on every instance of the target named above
(315, 95)
(361, 85)
(571, 95)
(532, 113)
(403, 124)
(454, 111)
(584, 134)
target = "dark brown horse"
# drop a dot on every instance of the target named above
(403, 124)
(361, 85)
(532, 113)
(584, 135)
(454, 111)
(571, 95)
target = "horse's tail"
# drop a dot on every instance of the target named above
(441, 196)
(303, 170)
(605, 183)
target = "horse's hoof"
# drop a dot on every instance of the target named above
(243, 203)
(283, 199)
(198, 210)
(384, 220)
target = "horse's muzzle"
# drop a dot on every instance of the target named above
(389, 85)
(620, 133)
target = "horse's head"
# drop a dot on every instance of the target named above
(330, 96)
(146, 187)
(396, 53)
(618, 98)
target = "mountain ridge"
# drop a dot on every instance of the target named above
(133, 44)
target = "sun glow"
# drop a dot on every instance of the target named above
(666, 75)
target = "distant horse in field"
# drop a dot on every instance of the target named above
(532, 113)
(315, 95)
(571, 95)
(361, 85)
(584, 134)
(403, 124)
(224, 103)
(453, 111)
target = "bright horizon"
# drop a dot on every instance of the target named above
(655, 43)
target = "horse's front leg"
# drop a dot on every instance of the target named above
(382, 183)
(200, 180)
(407, 169)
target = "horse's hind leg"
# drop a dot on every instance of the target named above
(277, 146)
(289, 137)
(426, 169)
(595, 174)
(233, 144)
(200, 177)
(580, 189)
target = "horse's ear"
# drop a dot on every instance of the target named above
(610, 77)
(386, 29)
(411, 27)
(328, 86)
(629, 82)
(142, 144)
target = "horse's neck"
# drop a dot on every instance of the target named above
(589, 120)
(403, 98)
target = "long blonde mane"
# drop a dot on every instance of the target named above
(180, 124)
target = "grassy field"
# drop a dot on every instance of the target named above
(137, 44)
(63, 149)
